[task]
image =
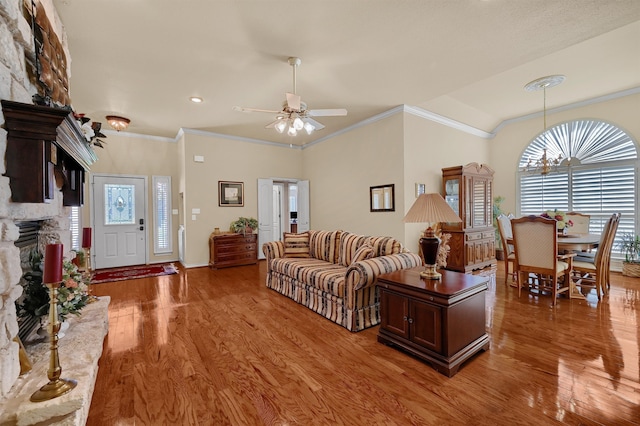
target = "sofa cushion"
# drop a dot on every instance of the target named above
(363, 253)
(383, 246)
(296, 245)
(349, 244)
(324, 245)
(325, 276)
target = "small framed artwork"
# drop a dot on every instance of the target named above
(419, 189)
(230, 194)
(382, 198)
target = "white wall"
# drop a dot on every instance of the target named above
(341, 171)
(226, 160)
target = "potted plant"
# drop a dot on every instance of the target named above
(244, 225)
(497, 211)
(630, 246)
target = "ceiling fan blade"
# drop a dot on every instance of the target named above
(327, 112)
(316, 124)
(293, 101)
(243, 109)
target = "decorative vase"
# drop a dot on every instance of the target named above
(43, 331)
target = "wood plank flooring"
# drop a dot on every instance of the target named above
(208, 347)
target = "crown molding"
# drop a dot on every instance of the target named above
(186, 130)
(428, 115)
(567, 107)
(139, 136)
(413, 110)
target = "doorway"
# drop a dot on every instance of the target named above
(283, 206)
(119, 207)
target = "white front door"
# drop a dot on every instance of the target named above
(119, 220)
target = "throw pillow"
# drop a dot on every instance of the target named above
(363, 253)
(296, 245)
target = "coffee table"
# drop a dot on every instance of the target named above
(441, 322)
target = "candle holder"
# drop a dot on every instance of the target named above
(56, 386)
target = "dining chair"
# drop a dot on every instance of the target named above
(580, 222)
(537, 263)
(506, 236)
(594, 272)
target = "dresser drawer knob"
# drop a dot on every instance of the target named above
(404, 318)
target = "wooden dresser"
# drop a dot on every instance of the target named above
(230, 249)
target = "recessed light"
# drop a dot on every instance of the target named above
(195, 99)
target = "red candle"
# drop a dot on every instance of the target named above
(86, 237)
(52, 264)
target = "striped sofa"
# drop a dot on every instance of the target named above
(334, 273)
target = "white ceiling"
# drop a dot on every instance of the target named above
(467, 60)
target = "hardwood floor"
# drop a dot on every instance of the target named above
(208, 347)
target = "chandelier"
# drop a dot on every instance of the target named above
(544, 164)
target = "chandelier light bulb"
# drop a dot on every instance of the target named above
(292, 131)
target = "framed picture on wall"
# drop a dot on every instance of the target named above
(382, 198)
(230, 194)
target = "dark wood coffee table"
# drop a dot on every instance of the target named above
(441, 322)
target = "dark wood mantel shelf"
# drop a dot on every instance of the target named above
(44, 143)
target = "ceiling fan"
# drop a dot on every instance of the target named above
(294, 115)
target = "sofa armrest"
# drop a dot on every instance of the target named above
(364, 273)
(273, 250)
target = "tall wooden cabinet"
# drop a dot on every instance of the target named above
(469, 191)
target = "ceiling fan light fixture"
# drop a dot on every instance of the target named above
(280, 126)
(298, 124)
(292, 131)
(117, 122)
(309, 128)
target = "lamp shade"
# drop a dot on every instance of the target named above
(430, 208)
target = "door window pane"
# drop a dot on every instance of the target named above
(119, 204)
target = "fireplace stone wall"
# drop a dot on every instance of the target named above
(16, 45)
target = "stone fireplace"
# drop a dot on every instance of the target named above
(16, 84)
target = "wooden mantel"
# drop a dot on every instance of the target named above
(45, 147)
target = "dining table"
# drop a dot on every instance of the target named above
(578, 242)
(574, 243)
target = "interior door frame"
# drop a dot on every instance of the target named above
(92, 207)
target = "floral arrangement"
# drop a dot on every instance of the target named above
(91, 130)
(72, 293)
(560, 216)
(244, 225)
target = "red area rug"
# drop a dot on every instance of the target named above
(132, 272)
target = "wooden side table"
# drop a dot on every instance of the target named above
(441, 322)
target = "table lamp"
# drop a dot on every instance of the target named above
(430, 208)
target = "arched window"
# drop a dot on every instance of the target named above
(597, 176)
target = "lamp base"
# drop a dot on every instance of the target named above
(430, 273)
(430, 245)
